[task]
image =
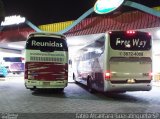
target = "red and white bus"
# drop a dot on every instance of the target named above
(46, 61)
(116, 61)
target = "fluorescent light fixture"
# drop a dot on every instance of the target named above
(75, 42)
(6, 54)
(158, 33)
(10, 20)
(15, 46)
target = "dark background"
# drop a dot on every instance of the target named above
(51, 11)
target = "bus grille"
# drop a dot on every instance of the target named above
(48, 59)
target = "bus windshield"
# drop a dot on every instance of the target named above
(130, 41)
(46, 44)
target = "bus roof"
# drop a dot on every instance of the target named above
(43, 34)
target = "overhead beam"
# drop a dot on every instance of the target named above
(33, 26)
(91, 10)
(142, 8)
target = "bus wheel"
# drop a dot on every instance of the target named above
(74, 78)
(32, 89)
(89, 86)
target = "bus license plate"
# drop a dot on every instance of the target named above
(131, 54)
(46, 83)
(131, 81)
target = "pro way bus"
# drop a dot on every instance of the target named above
(118, 61)
(46, 61)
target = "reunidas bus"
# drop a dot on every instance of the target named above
(46, 61)
(118, 61)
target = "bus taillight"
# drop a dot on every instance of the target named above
(151, 75)
(130, 32)
(149, 34)
(25, 75)
(110, 32)
(107, 74)
(25, 72)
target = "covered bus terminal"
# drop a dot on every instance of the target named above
(76, 101)
(13, 37)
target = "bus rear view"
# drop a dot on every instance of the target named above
(130, 61)
(46, 61)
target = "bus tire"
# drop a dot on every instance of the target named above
(89, 85)
(32, 89)
(74, 78)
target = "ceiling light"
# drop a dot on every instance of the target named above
(15, 46)
(158, 33)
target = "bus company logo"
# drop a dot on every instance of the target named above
(48, 44)
(133, 42)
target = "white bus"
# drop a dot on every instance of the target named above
(118, 61)
(46, 61)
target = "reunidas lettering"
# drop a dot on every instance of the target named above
(49, 44)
